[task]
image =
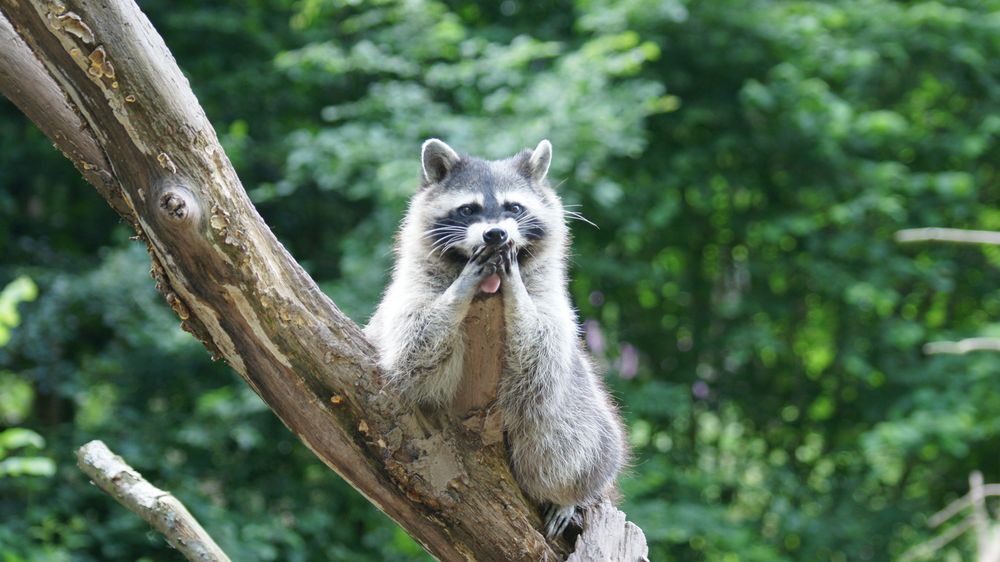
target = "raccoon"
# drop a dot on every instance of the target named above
(487, 226)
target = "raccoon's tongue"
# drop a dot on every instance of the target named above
(490, 284)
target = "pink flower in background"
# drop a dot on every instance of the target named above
(628, 363)
(594, 336)
(700, 390)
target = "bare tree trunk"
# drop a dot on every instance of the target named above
(98, 80)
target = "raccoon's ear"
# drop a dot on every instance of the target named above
(538, 162)
(438, 159)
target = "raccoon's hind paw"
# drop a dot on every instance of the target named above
(556, 518)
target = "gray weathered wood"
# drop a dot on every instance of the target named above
(158, 508)
(126, 117)
(608, 537)
(953, 235)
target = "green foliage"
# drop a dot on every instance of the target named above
(19, 438)
(17, 291)
(747, 163)
(15, 395)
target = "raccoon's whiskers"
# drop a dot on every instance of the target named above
(528, 222)
(578, 216)
(442, 230)
(445, 243)
(443, 238)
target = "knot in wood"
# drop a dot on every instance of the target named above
(174, 204)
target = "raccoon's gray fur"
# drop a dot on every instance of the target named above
(475, 223)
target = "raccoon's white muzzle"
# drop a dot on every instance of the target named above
(492, 232)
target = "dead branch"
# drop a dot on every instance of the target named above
(158, 508)
(956, 507)
(962, 347)
(604, 539)
(926, 549)
(987, 535)
(953, 235)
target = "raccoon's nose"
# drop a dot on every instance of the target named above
(495, 236)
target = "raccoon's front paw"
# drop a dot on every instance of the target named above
(507, 262)
(479, 272)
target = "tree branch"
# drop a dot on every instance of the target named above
(956, 507)
(962, 347)
(987, 535)
(928, 548)
(158, 508)
(24, 80)
(954, 235)
(140, 136)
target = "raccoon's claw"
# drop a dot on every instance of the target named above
(479, 255)
(556, 519)
(483, 254)
(508, 258)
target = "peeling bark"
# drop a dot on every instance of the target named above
(98, 80)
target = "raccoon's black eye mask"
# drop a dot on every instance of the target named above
(472, 212)
(446, 232)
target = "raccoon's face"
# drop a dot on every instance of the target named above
(466, 221)
(468, 202)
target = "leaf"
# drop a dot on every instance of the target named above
(19, 437)
(27, 466)
(17, 291)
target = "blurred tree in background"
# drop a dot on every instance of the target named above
(747, 163)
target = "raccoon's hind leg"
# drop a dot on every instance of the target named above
(566, 446)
